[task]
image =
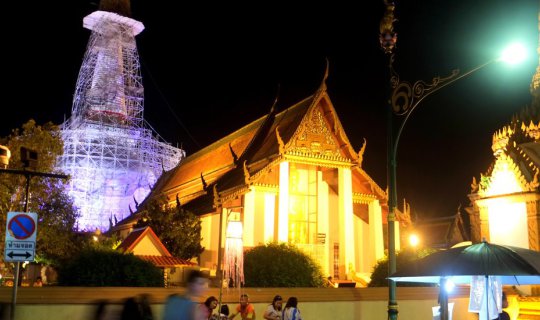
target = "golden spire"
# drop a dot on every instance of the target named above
(121, 7)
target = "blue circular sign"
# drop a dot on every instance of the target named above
(21, 226)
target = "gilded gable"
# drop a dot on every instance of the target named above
(313, 137)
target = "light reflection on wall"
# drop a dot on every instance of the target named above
(507, 219)
(503, 180)
(508, 222)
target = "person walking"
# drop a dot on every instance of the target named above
(273, 312)
(291, 311)
(185, 307)
(245, 309)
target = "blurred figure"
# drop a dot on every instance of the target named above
(100, 310)
(330, 282)
(291, 311)
(273, 312)
(224, 312)
(504, 315)
(131, 310)
(184, 307)
(144, 305)
(208, 307)
(245, 309)
(38, 282)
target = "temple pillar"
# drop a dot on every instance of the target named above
(533, 223)
(283, 208)
(376, 236)
(346, 225)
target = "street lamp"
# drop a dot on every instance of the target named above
(403, 98)
(414, 240)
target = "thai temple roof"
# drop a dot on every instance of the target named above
(228, 166)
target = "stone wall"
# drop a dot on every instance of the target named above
(70, 303)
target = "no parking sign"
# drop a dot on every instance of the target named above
(21, 230)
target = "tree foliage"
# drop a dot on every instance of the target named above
(177, 228)
(280, 265)
(403, 258)
(57, 215)
(98, 267)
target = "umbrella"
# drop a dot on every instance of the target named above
(512, 265)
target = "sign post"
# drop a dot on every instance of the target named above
(20, 245)
(21, 229)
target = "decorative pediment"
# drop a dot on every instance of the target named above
(314, 138)
(506, 178)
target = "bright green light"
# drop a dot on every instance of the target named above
(513, 54)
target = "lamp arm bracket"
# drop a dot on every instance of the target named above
(405, 97)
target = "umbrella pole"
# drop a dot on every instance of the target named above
(443, 299)
(487, 297)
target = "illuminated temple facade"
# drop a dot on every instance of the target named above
(506, 199)
(292, 177)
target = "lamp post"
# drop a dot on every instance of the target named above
(403, 98)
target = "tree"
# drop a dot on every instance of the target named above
(99, 267)
(404, 257)
(57, 214)
(177, 228)
(280, 265)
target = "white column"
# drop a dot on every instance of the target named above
(269, 216)
(249, 220)
(376, 238)
(346, 225)
(283, 215)
(323, 221)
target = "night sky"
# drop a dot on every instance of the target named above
(208, 69)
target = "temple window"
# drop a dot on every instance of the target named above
(303, 204)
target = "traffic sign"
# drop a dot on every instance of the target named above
(21, 230)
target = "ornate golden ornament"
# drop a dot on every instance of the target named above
(217, 199)
(280, 142)
(246, 174)
(361, 153)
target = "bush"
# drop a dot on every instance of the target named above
(94, 267)
(405, 257)
(280, 265)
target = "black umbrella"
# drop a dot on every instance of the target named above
(514, 266)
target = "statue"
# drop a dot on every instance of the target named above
(387, 36)
(387, 22)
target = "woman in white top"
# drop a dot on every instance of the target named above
(291, 311)
(273, 312)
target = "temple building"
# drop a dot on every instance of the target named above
(290, 176)
(505, 201)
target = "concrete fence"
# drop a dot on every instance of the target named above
(72, 303)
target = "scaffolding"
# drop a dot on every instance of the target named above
(111, 154)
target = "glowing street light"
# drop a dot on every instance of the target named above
(403, 100)
(414, 240)
(514, 54)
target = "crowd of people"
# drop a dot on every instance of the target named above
(186, 308)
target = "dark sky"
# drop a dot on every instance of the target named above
(209, 69)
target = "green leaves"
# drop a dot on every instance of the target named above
(280, 265)
(57, 215)
(95, 267)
